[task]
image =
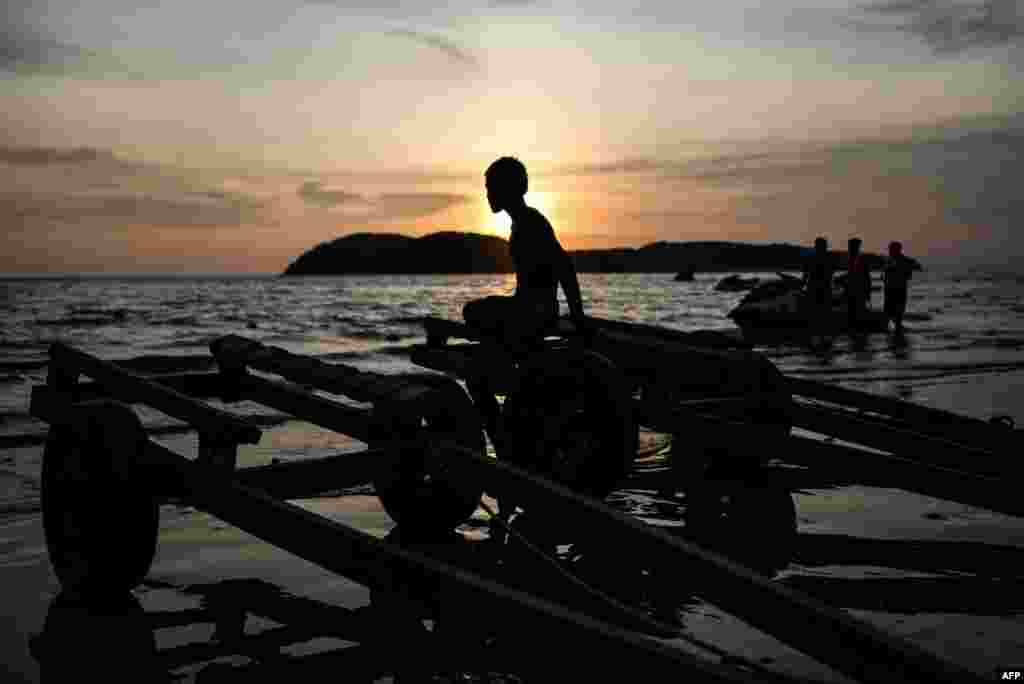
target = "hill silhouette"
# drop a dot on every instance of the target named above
(456, 252)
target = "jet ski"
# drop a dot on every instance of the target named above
(735, 283)
(782, 304)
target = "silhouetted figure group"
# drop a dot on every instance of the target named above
(519, 322)
(818, 282)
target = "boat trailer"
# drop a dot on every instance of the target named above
(564, 420)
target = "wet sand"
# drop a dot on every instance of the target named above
(219, 603)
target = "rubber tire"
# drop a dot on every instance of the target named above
(101, 530)
(549, 380)
(423, 504)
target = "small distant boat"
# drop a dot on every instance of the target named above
(781, 305)
(686, 275)
(735, 283)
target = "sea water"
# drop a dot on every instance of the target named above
(964, 349)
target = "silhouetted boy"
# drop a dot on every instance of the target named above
(818, 284)
(898, 270)
(541, 265)
(858, 285)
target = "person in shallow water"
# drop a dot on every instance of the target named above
(541, 265)
(818, 285)
(858, 286)
(898, 270)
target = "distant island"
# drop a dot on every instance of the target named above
(455, 252)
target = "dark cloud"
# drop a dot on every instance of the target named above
(198, 210)
(451, 49)
(740, 167)
(23, 50)
(948, 26)
(42, 156)
(620, 166)
(386, 206)
(412, 205)
(313, 193)
(766, 167)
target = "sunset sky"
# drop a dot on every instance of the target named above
(231, 136)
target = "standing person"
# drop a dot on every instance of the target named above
(858, 285)
(818, 271)
(541, 265)
(896, 275)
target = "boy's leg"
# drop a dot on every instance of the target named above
(490, 315)
(899, 307)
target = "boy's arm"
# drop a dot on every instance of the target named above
(570, 284)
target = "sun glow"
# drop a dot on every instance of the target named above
(542, 201)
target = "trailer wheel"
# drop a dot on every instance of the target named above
(101, 529)
(754, 525)
(422, 489)
(571, 419)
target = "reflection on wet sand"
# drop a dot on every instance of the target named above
(935, 576)
(95, 637)
(256, 630)
(414, 630)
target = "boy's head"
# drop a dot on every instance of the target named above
(854, 245)
(895, 249)
(506, 182)
(820, 245)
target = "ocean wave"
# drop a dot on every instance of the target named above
(913, 371)
(1004, 343)
(174, 320)
(75, 321)
(25, 506)
(7, 416)
(24, 439)
(386, 336)
(355, 321)
(407, 320)
(401, 350)
(116, 312)
(21, 344)
(188, 300)
(188, 343)
(23, 365)
(147, 363)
